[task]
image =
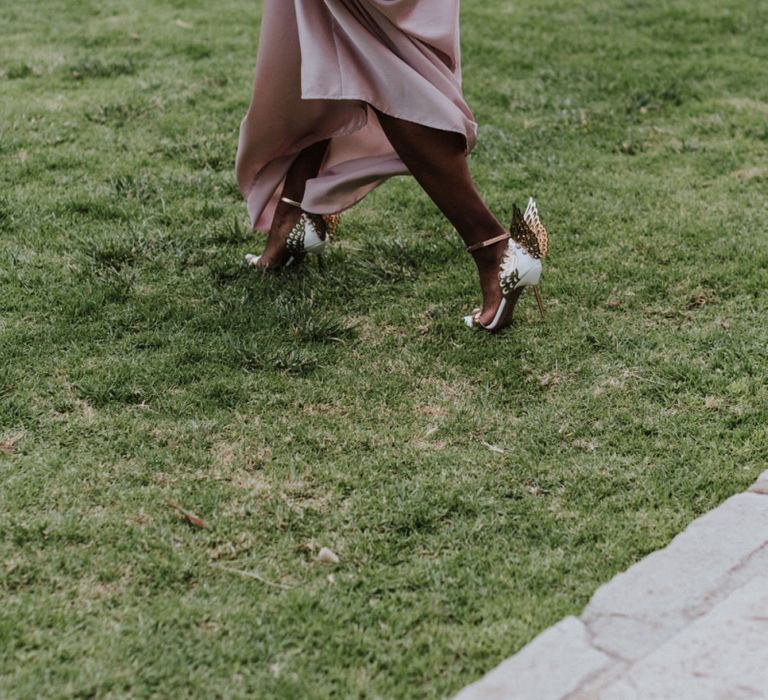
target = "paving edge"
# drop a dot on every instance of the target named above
(653, 605)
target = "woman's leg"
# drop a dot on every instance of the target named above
(306, 166)
(436, 159)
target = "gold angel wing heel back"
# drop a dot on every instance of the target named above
(535, 239)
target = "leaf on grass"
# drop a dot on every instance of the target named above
(189, 516)
(552, 379)
(251, 574)
(713, 403)
(8, 443)
(326, 556)
(584, 444)
(184, 25)
(751, 173)
(493, 448)
(697, 301)
(534, 489)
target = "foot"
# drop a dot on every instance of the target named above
(276, 254)
(507, 264)
(488, 261)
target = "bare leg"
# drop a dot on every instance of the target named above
(437, 161)
(306, 166)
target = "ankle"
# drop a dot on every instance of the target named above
(489, 256)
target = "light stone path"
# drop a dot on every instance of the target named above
(687, 622)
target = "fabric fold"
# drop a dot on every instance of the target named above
(321, 69)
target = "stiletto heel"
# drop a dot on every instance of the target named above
(310, 235)
(527, 244)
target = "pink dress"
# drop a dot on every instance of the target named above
(321, 65)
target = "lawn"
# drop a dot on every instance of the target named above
(476, 489)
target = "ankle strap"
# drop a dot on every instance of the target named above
(292, 202)
(490, 241)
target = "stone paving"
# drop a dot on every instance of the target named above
(687, 622)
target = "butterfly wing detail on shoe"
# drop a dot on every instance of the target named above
(325, 225)
(310, 234)
(318, 229)
(531, 217)
(332, 222)
(528, 230)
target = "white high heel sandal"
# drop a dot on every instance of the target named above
(310, 235)
(520, 267)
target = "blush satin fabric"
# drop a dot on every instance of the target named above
(321, 65)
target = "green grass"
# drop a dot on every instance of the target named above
(476, 488)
